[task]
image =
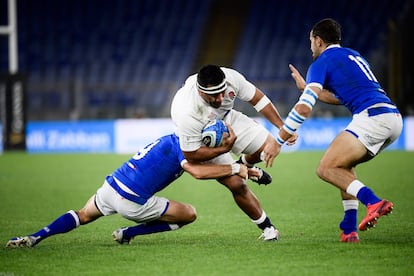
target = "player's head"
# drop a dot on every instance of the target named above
(211, 84)
(326, 31)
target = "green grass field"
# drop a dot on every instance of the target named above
(35, 189)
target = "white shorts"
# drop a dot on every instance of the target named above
(250, 136)
(376, 132)
(109, 202)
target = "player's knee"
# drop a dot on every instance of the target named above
(320, 172)
(83, 217)
(235, 184)
(239, 188)
(191, 213)
(323, 170)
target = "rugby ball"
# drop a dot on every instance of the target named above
(212, 134)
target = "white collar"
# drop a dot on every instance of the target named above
(333, 46)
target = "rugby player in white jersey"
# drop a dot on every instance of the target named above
(210, 95)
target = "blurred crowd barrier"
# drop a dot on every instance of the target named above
(129, 135)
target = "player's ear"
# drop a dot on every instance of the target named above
(319, 41)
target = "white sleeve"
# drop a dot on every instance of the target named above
(188, 124)
(245, 89)
(189, 134)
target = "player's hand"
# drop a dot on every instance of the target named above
(253, 172)
(244, 172)
(229, 139)
(270, 151)
(300, 81)
(292, 140)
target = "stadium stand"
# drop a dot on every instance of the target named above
(116, 55)
(277, 33)
(111, 59)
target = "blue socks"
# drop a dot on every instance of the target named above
(62, 224)
(357, 189)
(70, 221)
(367, 196)
(349, 223)
(149, 228)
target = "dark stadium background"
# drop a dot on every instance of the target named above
(102, 59)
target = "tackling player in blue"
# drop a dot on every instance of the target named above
(341, 75)
(130, 191)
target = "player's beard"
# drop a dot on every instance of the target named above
(215, 104)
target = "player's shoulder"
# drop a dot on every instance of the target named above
(186, 94)
(233, 76)
(339, 52)
(191, 80)
(166, 143)
(169, 138)
(230, 71)
(173, 143)
(350, 50)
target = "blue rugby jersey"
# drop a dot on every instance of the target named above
(347, 74)
(152, 168)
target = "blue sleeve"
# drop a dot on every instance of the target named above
(317, 72)
(153, 168)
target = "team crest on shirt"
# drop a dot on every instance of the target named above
(232, 95)
(212, 116)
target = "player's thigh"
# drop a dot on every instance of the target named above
(223, 159)
(108, 202)
(105, 198)
(153, 209)
(375, 132)
(345, 151)
(179, 212)
(250, 134)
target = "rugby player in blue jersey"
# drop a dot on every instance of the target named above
(341, 75)
(130, 191)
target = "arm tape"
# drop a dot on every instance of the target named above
(235, 168)
(293, 121)
(261, 103)
(279, 140)
(308, 97)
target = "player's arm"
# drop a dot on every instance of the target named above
(324, 96)
(213, 171)
(299, 113)
(328, 97)
(263, 105)
(207, 153)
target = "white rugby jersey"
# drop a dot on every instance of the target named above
(190, 113)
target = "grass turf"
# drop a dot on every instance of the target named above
(36, 189)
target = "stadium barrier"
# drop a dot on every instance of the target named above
(1, 138)
(408, 133)
(13, 90)
(128, 135)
